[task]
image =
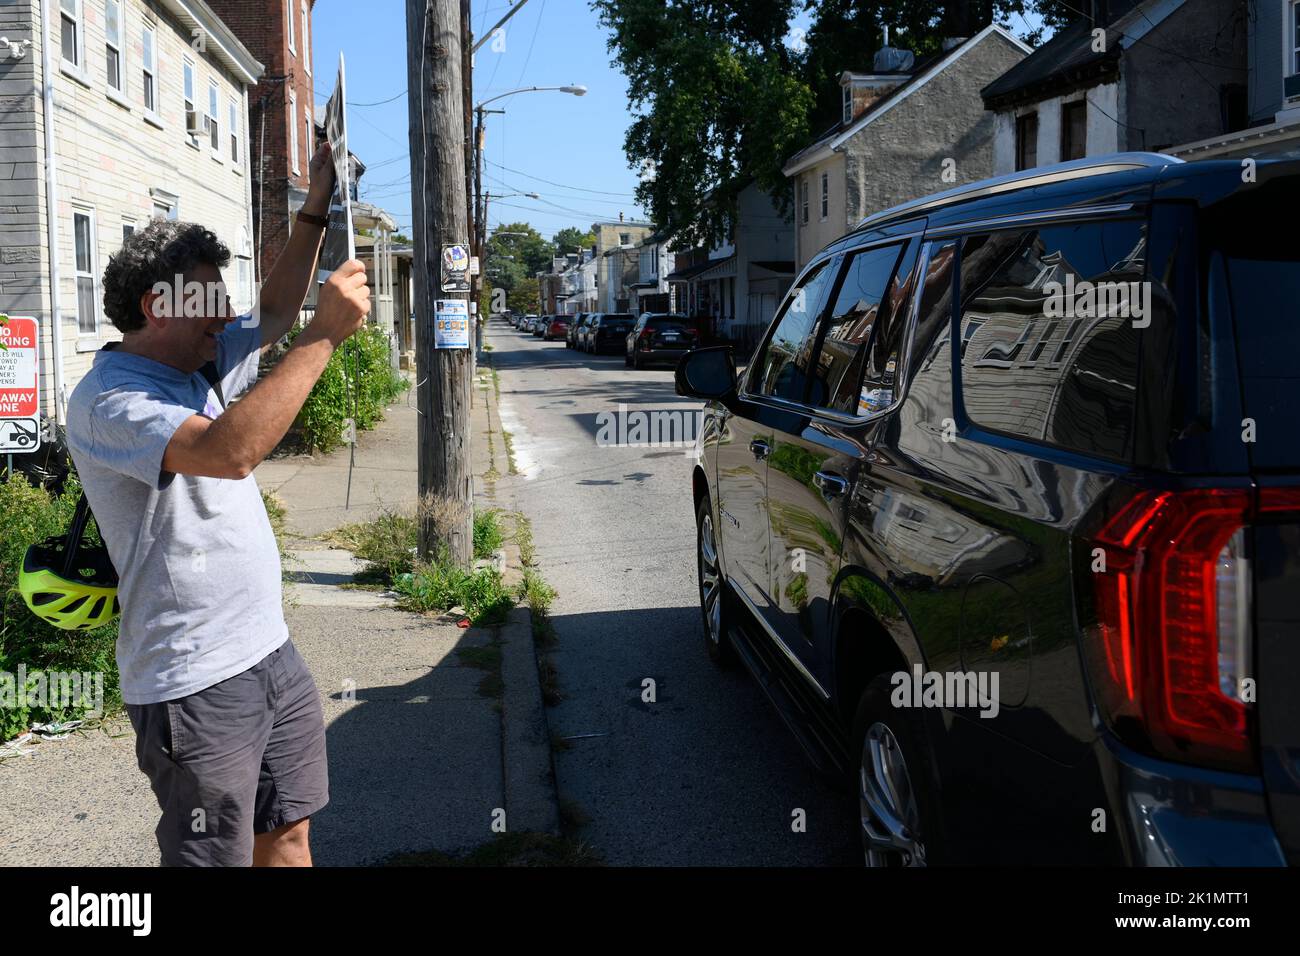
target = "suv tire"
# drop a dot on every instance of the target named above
(714, 601)
(896, 805)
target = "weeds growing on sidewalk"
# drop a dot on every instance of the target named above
(29, 515)
(440, 586)
(389, 543)
(488, 536)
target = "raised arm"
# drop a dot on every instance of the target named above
(236, 442)
(286, 286)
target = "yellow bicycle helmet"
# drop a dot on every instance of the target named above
(68, 583)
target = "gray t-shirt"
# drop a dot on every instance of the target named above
(198, 564)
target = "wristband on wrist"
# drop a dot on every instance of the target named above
(312, 220)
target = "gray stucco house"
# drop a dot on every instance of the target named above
(909, 129)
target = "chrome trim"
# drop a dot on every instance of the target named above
(1000, 222)
(1038, 176)
(776, 638)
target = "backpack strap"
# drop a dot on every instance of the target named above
(209, 372)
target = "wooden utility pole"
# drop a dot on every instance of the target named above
(439, 199)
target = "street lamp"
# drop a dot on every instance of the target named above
(480, 208)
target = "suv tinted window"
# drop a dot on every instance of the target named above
(783, 369)
(1049, 349)
(848, 327)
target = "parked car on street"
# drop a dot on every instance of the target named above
(660, 337)
(1005, 556)
(609, 333)
(540, 324)
(576, 327)
(556, 328)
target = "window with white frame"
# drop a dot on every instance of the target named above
(128, 229)
(803, 201)
(309, 128)
(826, 195)
(233, 117)
(306, 38)
(293, 131)
(114, 75)
(847, 103)
(71, 32)
(214, 124)
(288, 20)
(191, 111)
(83, 248)
(148, 68)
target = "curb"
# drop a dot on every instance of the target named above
(528, 770)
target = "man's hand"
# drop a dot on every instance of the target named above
(343, 304)
(321, 177)
(235, 444)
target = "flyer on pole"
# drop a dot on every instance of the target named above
(451, 324)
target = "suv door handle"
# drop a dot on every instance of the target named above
(760, 448)
(830, 484)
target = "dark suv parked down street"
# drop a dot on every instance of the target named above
(1004, 513)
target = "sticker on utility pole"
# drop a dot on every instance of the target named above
(20, 423)
(455, 268)
(451, 324)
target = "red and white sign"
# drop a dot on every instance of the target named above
(19, 405)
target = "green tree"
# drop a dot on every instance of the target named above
(716, 99)
(523, 297)
(723, 92)
(570, 239)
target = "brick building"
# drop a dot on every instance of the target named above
(280, 112)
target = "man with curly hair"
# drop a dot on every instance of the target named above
(228, 721)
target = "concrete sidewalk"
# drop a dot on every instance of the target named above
(419, 742)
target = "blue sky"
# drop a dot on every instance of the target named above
(567, 149)
(574, 142)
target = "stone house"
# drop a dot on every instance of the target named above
(909, 128)
(1272, 90)
(1129, 75)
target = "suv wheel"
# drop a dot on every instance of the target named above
(713, 589)
(894, 798)
(627, 360)
(636, 360)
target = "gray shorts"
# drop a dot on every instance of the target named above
(241, 757)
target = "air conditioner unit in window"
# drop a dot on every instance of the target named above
(196, 125)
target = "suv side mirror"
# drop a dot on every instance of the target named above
(706, 373)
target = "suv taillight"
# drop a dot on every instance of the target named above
(1169, 640)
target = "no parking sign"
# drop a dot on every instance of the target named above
(20, 426)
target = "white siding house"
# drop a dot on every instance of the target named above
(144, 115)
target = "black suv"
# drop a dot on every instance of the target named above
(1004, 514)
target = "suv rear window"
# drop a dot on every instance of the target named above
(1246, 238)
(1049, 350)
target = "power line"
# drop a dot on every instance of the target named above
(601, 192)
(536, 29)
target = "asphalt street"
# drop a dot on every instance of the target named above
(671, 760)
